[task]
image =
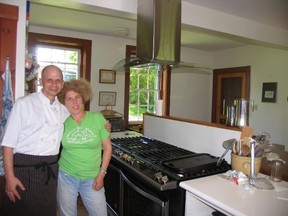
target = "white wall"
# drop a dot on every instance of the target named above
(267, 65)
(194, 137)
(191, 89)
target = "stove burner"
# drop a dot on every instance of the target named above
(163, 164)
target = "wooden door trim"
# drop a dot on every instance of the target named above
(244, 72)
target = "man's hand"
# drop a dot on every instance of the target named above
(12, 182)
(11, 188)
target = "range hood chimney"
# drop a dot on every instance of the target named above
(159, 30)
(158, 35)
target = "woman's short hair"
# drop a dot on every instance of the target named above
(80, 86)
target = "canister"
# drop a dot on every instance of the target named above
(230, 115)
(242, 108)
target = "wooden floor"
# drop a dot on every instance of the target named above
(81, 209)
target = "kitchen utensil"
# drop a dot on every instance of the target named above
(227, 145)
(247, 141)
(262, 137)
(246, 132)
(258, 151)
(245, 150)
(239, 147)
(259, 183)
(234, 148)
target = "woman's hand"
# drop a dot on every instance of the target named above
(99, 181)
(108, 126)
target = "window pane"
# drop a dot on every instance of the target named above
(68, 60)
(133, 79)
(142, 80)
(144, 92)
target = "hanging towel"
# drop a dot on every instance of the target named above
(7, 104)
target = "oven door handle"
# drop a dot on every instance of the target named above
(140, 191)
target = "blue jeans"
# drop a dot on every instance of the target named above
(67, 193)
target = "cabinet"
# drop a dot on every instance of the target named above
(8, 34)
(228, 84)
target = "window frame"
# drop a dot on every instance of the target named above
(36, 39)
(164, 88)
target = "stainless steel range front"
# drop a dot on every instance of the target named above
(145, 174)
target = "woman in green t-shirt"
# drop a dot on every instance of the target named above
(82, 166)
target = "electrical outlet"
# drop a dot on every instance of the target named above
(255, 107)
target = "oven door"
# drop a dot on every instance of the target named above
(112, 189)
(140, 199)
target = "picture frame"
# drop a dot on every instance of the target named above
(107, 98)
(269, 92)
(107, 76)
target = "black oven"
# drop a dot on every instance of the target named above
(144, 175)
(112, 189)
(129, 195)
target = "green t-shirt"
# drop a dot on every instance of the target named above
(82, 146)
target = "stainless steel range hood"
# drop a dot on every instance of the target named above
(158, 35)
(159, 30)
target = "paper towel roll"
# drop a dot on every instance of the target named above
(158, 107)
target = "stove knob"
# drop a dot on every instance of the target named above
(132, 161)
(164, 179)
(124, 156)
(128, 159)
(158, 176)
(118, 152)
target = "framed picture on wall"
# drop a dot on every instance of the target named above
(269, 91)
(107, 98)
(107, 76)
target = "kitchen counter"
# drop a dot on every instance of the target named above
(205, 195)
(265, 167)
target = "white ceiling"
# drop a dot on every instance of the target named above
(71, 15)
(270, 12)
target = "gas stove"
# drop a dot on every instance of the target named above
(160, 164)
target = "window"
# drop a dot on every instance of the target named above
(143, 86)
(65, 58)
(81, 46)
(144, 91)
(68, 47)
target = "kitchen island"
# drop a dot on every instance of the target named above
(205, 195)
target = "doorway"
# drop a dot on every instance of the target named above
(228, 84)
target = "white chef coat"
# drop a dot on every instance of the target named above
(35, 126)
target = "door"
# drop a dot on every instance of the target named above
(112, 189)
(139, 199)
(228, 84)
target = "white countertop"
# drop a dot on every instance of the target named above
(231, 199)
